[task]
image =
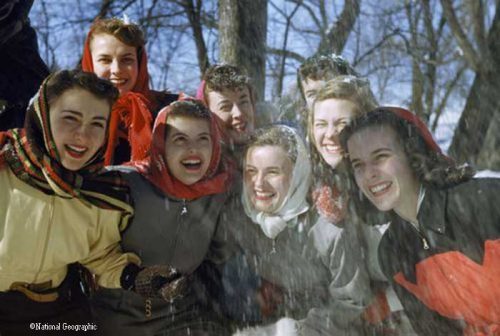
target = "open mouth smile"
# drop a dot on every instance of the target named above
(76, 152)
(263, 196)
(118, 81)
(240, 127)
(380, 188)
(332, 149)
(192, 163)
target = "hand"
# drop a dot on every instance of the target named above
(269, 296)
(160, 281)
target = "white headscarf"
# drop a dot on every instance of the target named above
(295, 202)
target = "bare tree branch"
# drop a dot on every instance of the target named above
(288, 53)
(449, 89)
(194, 16)
(337, 35)
(281, 74)
(468, 50)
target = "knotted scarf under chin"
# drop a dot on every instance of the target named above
(131, 115)
(293, 205)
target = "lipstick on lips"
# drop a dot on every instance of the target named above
(192, 163)
(76, 152)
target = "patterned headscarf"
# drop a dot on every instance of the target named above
(131, 111)
(32, 156)
(217, 179)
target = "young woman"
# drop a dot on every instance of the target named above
(350, 245)
(178, 194)
(441, 251)
(115, 50)
(57, 207)
(274, 234)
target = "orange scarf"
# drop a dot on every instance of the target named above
(131, 112)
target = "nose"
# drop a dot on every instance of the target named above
(115, 66)
(82, 132)
(371, 171)
(331, 131)
(236, 112)
(259, 180)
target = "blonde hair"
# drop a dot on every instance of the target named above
(354, 89)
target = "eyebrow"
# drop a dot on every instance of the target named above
(384, 149)
(243, 96)
(108, 55)
(223, 102)
(80, 114)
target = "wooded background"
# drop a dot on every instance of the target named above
(431, 56)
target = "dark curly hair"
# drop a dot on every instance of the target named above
(323, 67)
(63, 80)
(432, 168)
(225, 76)
(191, 108)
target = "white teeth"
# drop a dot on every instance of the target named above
(118, 81)
(191, 162)
(239, 127)
(380, 187)
(263, 194)
(77, 148)
(332, 148)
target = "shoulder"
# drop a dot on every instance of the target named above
(324, 235)
(161, 99)
(477, 192)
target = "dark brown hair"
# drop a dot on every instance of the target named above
(323, 67)
(64, 80)
(191, 108)
(432, 168)
(128, 33)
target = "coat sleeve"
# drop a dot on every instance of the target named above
(105, 259)
(349, 287)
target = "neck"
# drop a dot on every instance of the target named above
(408, 207)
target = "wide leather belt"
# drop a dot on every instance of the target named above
(41, 292)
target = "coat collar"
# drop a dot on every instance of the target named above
(433, 207)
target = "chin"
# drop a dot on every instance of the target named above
(72, 166)
(334, 162)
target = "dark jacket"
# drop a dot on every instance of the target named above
(21, 68)
(459, 219)
(166, 231)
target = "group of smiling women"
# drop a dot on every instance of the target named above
(180, 219)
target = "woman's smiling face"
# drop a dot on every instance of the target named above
(188, 148)
(267, 175)
(330, 117)
(382, 170)
(78, 121)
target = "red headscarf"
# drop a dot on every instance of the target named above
(132, 110)
(419, 124)
(217, 179)
(200, 93)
